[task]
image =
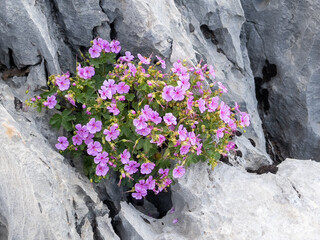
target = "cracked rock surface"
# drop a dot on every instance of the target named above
(43, 197)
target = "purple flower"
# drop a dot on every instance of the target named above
(154, 117)
(244, 119)
(175, 221)
(82, 131)
(212, 72)
(140, 122)
(63, 83)
(170, 119)
(113, 133)
(125, 156)
(131, 167)
(115, 46)
(224, 112)
(89, 139)
(163, 63)
(128, 57)
(144, 131)
(185, 149)
(220, 133)
(70, 99)
(77, 139)
(62, 143)
(141, 190)
(199, 151)
(95, 51)
(101, 158)
(122, 88)
(192, 138)
(160, 140)
(214, 104)
(163, 172)
(147, 168)
(178, 93)
(94, 126)
(132, 69)
(190, 103)
(51, 102)
(230, 146)
(182, 131)
(223, 88)
(94, 148)
(89, 72)
(144, 60)
(151, 183)
(166, 94)
(102, 170)
(178, 172)
(110, 84)
(105, 46)
(113, 109)
(202, 105)
(105, 93)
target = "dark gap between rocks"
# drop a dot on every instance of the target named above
(113, 32)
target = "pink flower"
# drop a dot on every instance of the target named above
(185, 149)
(220, 133)
(101, 158)
(94, 148)
(95, 51)
(105, 46)
(77, 139)
(147, 168)
(236, 107)
(94, 126)
(113, 133)
(166, 94)
(110, 84)
(141, 190)
(82, 131)
(128, 57)
(88, 72)
(192, 138)
(132, 69)
(131, 167)
(144, 131)
(170, 119)
(63, 83)
(154, 117)
(223, 88)
(122, 88)
(122, 98)
(213, 105)
(199, 151)
(115, 46)
(62, 143)
(182, 131)
(178, 172)
(151, 183)
(163, 172)
(245, 119)
(113, 109)
(212, 72)
(125, 156)
(230, 146)
(185, 84)
(70, 99)
(102, 170)
(89, 139)
(105, 93)
(140, 123)
(190, 103)
(232, 125)
(202, 105)
(51, 102)
(162, 62)
(224, 112)
(160, 140)
(144, 60)
(178, 93)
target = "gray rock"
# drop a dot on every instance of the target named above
(41, 196)
(287, 35)
(228, 203)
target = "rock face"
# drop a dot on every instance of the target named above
(287, 35)
(231, 204)
(41, 195)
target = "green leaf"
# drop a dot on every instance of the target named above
(56, 120)
(147, 146)
(130, 97)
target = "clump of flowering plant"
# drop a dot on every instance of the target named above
(141, 120)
